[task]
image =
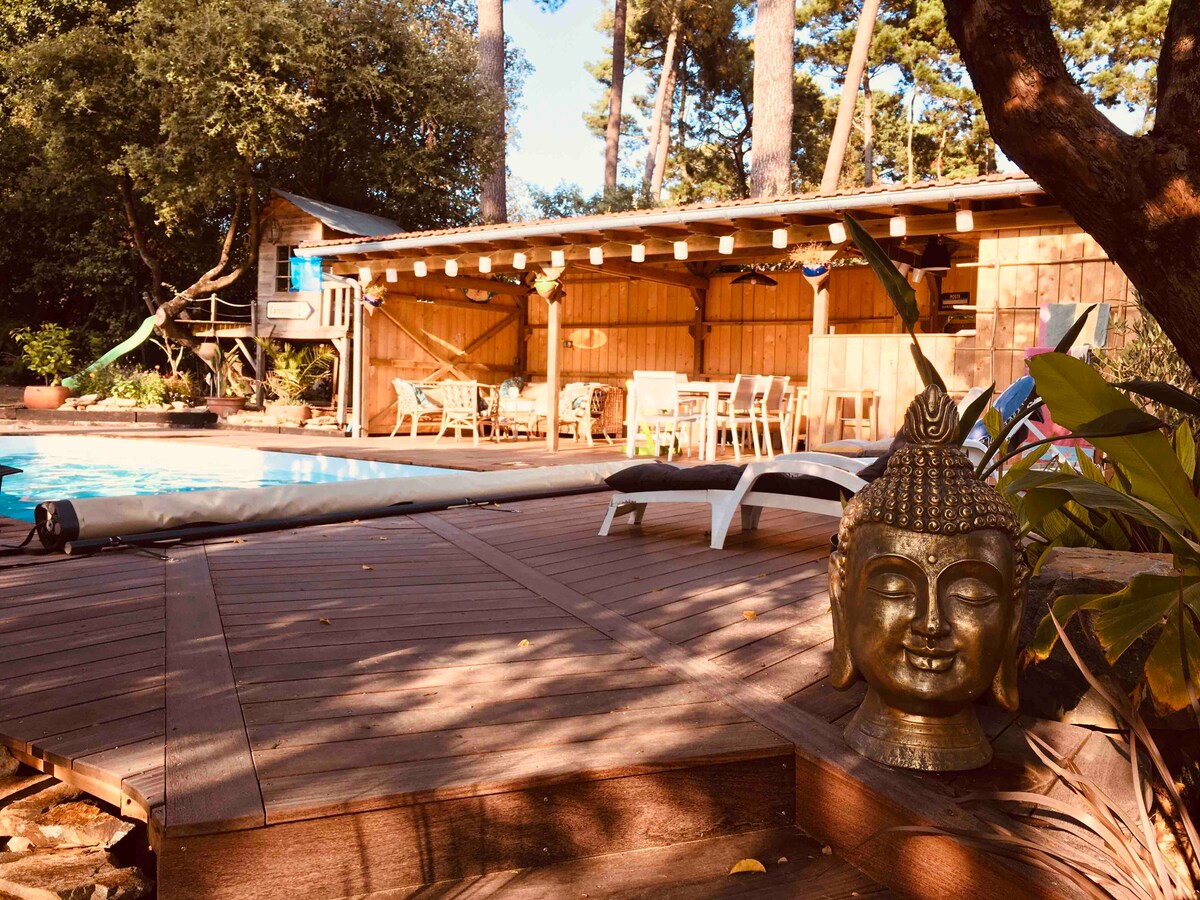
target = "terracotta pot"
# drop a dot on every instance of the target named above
(223, 406)
(43, 396)
(298, 412)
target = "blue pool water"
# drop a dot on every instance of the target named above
(66, 467)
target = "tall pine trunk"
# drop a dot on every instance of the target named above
(612, 132)
(774, 67)
(493, 202)
(664, 140)
(665, 80)
(868, 131)
(845, 117)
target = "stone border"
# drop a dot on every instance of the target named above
(171, 419)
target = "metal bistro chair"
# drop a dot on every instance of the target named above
(460, 409)
(660, 406)
(410, 404)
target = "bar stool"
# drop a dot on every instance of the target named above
(866, 413)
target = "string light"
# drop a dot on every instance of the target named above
(837, 232)
(558, 258)
(485, 265)
(725, 244)
(596, 255)
(897, 226)
(364, 274)
(681, 249)
(392, 275)
(638, 253)
(451, 267)
(420, 269)
(964, 220)
(518, 260)
(779, 238)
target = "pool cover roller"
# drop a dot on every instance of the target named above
(59, 522)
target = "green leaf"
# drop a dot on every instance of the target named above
(1068, 339)
(903, 297)
(1164, 667)
(993, 423)
(1185, 448)
(1078, 395)
(929, 374)
(974, 410)
(1123, 617)
(1163, 393)
(1046, 635)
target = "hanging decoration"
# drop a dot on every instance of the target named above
(478, 295)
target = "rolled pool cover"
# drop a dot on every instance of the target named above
(59, 522)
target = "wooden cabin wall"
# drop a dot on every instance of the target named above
(412, 340)
(294, 228)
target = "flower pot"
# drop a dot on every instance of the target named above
(46, 396)
(223, 406)
(290, 412)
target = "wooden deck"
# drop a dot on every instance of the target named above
(351, 709)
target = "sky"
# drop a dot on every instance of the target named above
(554, 145)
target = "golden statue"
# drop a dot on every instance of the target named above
(927, 585)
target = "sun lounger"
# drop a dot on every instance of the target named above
(805, 482)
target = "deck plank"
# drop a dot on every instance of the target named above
(210, 780)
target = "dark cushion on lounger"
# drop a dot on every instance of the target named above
(660, 477)
(877, 468)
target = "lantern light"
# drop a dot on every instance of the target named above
(779, 238)
(485, 265)
(519, 260)
(897, 226)
(596, 255)
(681, 249)
(837, 232)
(638, 253)
(420, 269)
(451, 267)
(392, 275)
(725, 244)
(558, 258)
(964, 220)
(364, 275)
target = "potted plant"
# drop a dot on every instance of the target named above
(294, 372)
(227, 397)
(46, 352)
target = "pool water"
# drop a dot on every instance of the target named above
(66, 467)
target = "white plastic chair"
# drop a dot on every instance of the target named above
(659, 405)
(771, 411)
(740, 411)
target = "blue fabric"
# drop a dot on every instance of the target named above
(305, 273)
(1006, 404)
(510, 388)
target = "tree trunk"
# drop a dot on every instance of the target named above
(1139, 197)
(845, 116)
(664, 142)
(493, 201)
(660, 101)
(612, 131)
(912, 123)
(774, 78)
(868, 131)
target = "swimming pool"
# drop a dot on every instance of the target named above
(67, 467)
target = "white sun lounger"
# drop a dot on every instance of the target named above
(726, 503)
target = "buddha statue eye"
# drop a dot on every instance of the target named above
(973, 591)
(891, 586)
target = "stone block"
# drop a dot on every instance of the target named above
(59, 816)
(70, 875)
(8, 762)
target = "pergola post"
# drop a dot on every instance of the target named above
(553, 373)
(820, 309)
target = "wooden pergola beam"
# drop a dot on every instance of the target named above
(471, 282)
(645, 272)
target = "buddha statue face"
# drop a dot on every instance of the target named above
(927, 588)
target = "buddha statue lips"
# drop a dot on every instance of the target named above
(927, 586)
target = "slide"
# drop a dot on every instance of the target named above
(132, 342)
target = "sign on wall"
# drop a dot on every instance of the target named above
(289, 309)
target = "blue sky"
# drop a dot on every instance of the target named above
(554, 145)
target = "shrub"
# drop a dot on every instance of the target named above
(1149, 354)
(47, 351)
(146, 387)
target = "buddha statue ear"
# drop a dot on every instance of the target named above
(1004, 685)
(842, 673)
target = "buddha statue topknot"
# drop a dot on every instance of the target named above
(927, 585)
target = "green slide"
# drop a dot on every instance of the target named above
(132, 342)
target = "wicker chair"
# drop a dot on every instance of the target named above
(590, 417)
(460, 409)
(409, 403)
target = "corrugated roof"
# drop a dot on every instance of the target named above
(339, 218)
(892, 192)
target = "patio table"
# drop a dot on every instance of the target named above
(711, 391)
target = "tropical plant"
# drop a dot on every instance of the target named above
(296, 370)
(147, 387)
(46, 351)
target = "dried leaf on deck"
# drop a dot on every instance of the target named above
(749, 614)
(325, 621)
(368, 568)
(523, 643)
(747, 865)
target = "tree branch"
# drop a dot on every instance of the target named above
(1179, 75)
(227, 244)
(140, 241)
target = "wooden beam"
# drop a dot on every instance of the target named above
(643, 272)
(477, 283)
(491, 306)
(553, 370)
(699, 332)
(423, 346)
(476, 343)
(668, 232)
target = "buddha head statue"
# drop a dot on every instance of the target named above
(927, 585)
